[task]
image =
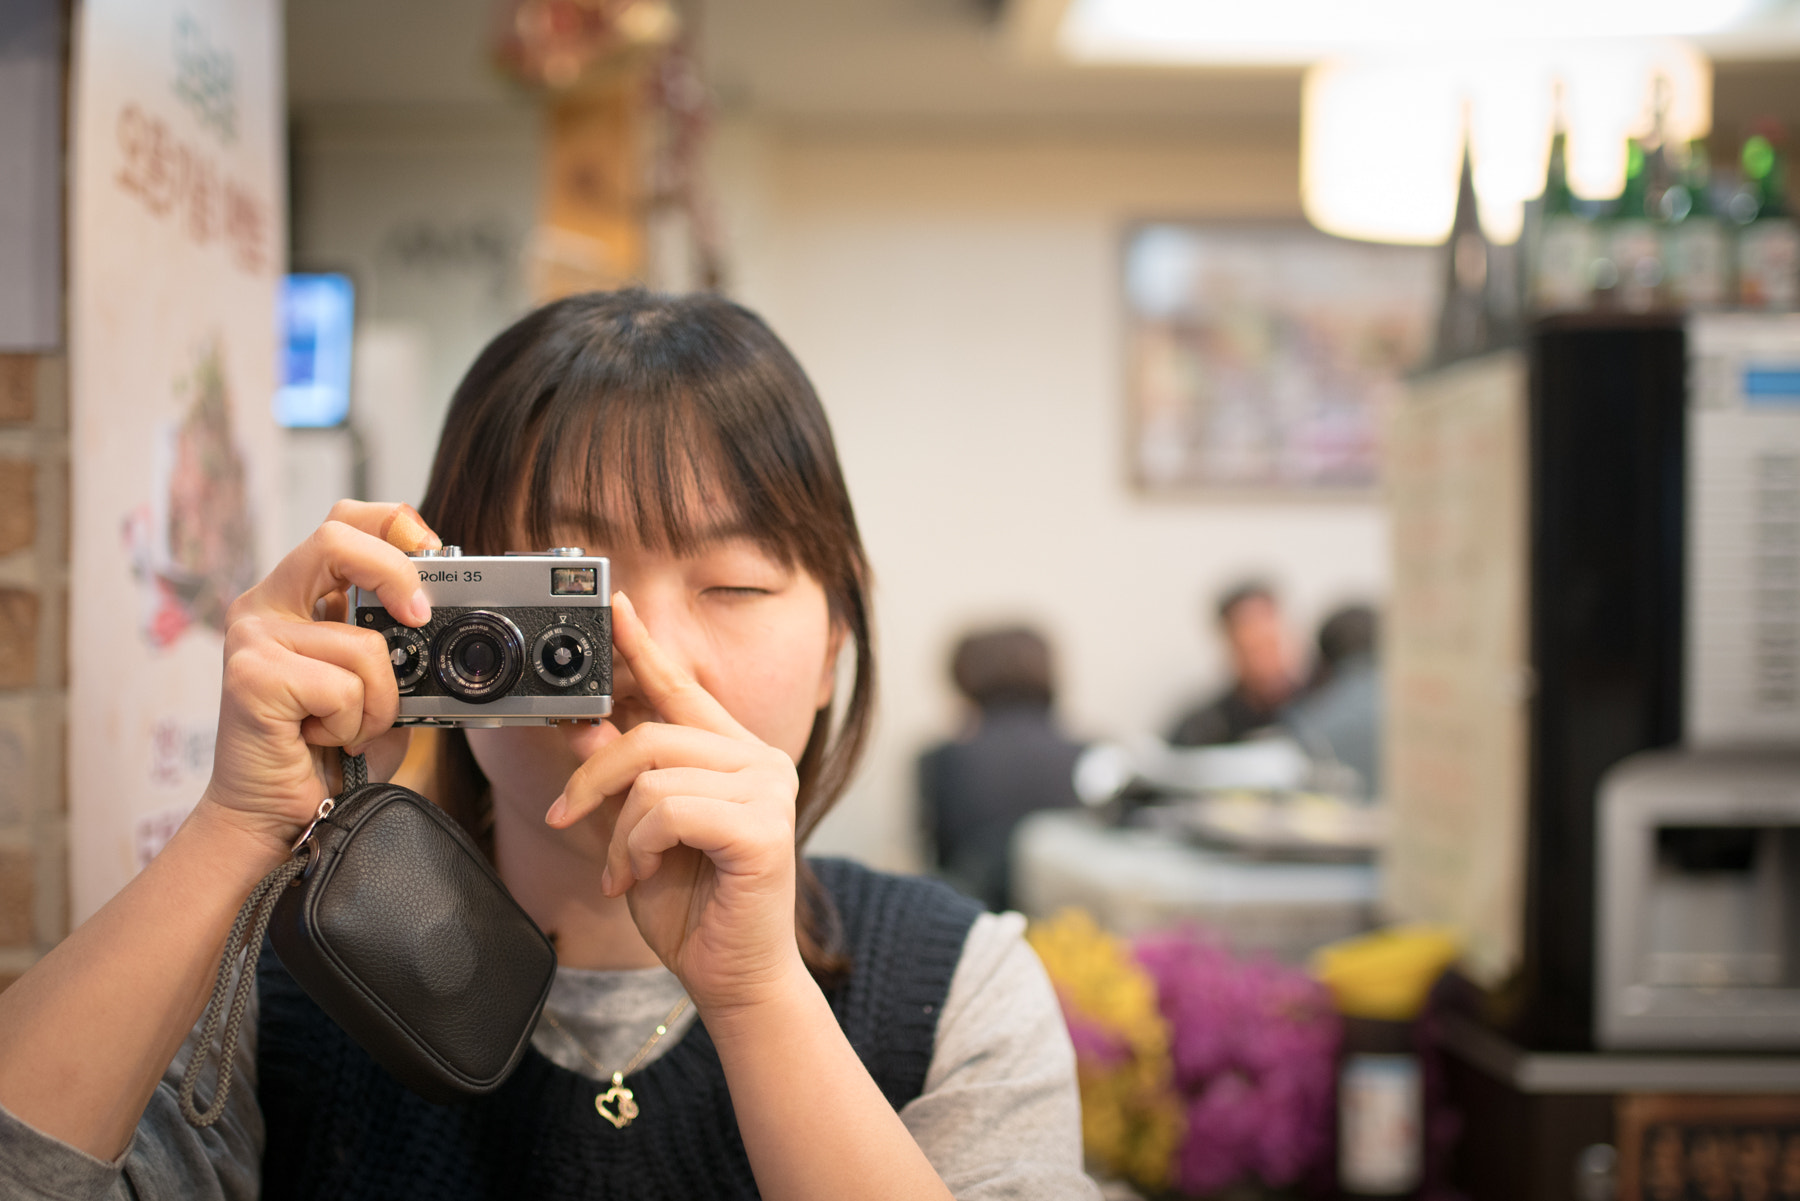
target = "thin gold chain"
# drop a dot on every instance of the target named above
(662, 1028)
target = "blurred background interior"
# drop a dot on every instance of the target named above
(934, 227)
(935, 211)
(1327, 469)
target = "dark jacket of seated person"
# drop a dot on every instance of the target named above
(1262, 672)
(1010, 762)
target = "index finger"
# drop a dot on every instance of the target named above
(675, 695)
(348, 550)
(397, 525)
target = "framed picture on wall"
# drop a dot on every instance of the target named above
(1260, 359)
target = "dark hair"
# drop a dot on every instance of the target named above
(1004, 666)
(1349, 631)
(1237, 594)
(610, 413)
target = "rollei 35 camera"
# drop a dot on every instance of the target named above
(513, 640)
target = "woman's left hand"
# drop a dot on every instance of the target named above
(703, 832)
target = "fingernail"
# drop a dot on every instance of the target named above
(421, 608)
(606, 881)
(559, 808)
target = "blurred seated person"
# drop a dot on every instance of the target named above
(1010, 760)
(1262, 667)
(1338, 717)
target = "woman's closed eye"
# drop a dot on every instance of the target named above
(737, 569)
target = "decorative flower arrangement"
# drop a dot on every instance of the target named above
(1254, 1048)
(1198, 1069)
(1131, 1115)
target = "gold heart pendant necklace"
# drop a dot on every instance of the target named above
(621, 1096)
(623, 1101)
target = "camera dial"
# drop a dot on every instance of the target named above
(478, 657)
(406, 650)
(562, 656)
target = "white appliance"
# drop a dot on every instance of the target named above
(1743, 557)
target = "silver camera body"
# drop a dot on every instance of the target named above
(513, 640)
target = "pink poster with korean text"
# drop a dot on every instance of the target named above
(177, 246)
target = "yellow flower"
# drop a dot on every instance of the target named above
(1131, 1116)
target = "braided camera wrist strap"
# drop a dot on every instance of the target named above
(242, 946)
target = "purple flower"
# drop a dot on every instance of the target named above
(1093, 1043)
(1253, 1045)
(1221, 1125)
(1296, 1107)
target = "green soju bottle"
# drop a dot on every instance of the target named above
(1636, 242)
(1562, 267)
(1697, 241)
(1768, 247)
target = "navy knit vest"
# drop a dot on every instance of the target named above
(340, 1127)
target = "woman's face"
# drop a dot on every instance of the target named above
(755, 633)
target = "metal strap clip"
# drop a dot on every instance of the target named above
(325, 808)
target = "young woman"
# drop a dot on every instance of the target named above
(830, 1032)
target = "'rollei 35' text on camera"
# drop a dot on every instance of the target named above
(450, 577)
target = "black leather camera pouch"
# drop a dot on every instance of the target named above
(396, 925)
(404, 935)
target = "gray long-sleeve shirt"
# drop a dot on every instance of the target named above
(999, 1119)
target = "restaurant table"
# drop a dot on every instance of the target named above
(1132, 880)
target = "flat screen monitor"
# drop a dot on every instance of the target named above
(317, 319)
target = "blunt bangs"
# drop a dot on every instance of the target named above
(631, 423)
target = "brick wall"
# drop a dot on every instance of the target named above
(34, 557)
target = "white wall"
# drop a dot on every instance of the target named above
(428, 209)
(955, 297)
(956, 300)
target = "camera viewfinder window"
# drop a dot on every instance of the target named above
(573, 581)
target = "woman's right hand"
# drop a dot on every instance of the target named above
(299, 682)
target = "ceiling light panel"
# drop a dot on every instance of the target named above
(1277, 32)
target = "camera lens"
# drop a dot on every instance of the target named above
(478, 657)
(562, 656)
